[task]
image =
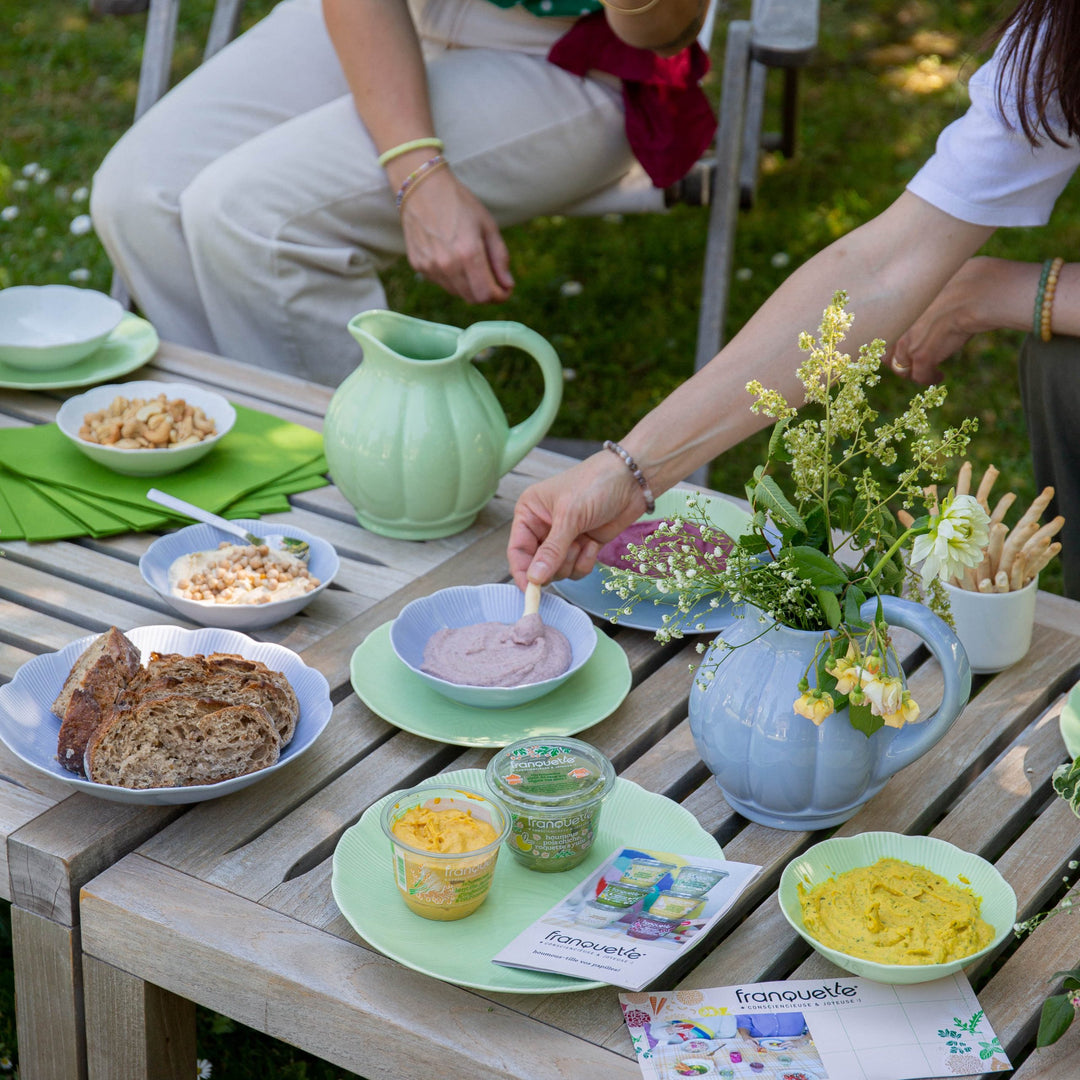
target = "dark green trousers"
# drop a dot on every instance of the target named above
(1050, 390)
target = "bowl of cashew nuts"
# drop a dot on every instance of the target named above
(146, 428)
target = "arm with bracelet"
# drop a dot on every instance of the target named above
(450, 237)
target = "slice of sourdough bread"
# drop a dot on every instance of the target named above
(88, 695)
(177, 740)
(226, 678)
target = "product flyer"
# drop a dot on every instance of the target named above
(844, 1028)
(630, 919)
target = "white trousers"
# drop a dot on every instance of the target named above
(246, 210)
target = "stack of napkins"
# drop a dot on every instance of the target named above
(51, 491)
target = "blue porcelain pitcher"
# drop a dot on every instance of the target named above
(415, 438)
(777, 768)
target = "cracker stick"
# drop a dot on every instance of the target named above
(963, 479)
(1039, 564)
(971, 582)
(931, 497)
(905, 518)
(1001, 581)
(1016, 539)
(986, 585)
(1018, 570)
(1050, 529)
(998, 532)
(1002, 507)
(987, 482)
(1038, 505)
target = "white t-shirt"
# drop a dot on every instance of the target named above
(985, 171)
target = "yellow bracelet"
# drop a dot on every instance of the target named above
(1045, 333)
(428, 142)
(631, 11)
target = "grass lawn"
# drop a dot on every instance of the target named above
(617, 298)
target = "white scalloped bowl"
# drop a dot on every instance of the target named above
(45, 327)
(154, 565)
(132, 462)
(30, 730)
(464, 605)
(839, 854)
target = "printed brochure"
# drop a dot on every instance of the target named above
(839, 1028)
(630, 919)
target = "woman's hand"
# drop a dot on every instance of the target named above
(562, 522)
(984, 294)
(452, 239)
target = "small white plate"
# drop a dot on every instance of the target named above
(30, 730)
(128, 347)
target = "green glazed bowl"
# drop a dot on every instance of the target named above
(833, 857)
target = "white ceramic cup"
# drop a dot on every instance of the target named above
(994, 628)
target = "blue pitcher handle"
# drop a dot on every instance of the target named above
(913, 740)
(522, 437)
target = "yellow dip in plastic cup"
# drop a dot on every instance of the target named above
(444, 842)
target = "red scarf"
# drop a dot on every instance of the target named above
(669, 123)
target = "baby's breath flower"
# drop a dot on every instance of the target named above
(81, 225)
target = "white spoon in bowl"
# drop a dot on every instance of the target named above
(289, 544)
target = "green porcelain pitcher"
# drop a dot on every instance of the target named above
(415, 438)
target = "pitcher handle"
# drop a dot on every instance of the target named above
(913, 740)
(524, 436)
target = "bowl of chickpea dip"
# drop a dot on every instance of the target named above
(216, 580)
(146, 428)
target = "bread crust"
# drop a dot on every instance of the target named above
(99, 676)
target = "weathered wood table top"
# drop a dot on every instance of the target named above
(228, 903)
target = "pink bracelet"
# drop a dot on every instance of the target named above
(416, 176)
(635, 469)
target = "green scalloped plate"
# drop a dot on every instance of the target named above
(390, 690)
(460, 952)
(128, 347)
(1069, 720)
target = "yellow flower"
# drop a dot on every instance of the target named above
(907, 712)
(815, 705)
(845, 671)
(885, 695)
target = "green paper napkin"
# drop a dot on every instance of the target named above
(53, 491)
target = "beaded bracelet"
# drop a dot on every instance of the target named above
(1051, 273)
(647, 6)
(639, 476)
(416, 176)
(429, 142)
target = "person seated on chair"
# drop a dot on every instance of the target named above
(250, 211)
(1003, 163)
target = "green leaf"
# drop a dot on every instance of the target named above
(854, 598)
(830, 606)
(1066, 781)
(768, 496)
(862, 719)
(1057, 1015)
(816, 567)
(777, 450)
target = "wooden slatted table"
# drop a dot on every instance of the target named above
(228, 903)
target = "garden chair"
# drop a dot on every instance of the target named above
(779, 35)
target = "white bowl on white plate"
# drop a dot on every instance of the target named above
(30, 730)
(464, 605)
(138, 462)
(43, 327)
(154, 566)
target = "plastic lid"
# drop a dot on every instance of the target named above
(550, 772)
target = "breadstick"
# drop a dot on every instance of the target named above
(986, 585)
(1019, 569)
(993, 548)
(987, 482)
(1002, 507)
(963, 479)
(971, 582)
(1051, 528)
(931, 497)
(905, 518)
(1001, 581)
(1037, 565)
(1016, 539)
(1038, 505)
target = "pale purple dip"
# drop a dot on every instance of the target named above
(497, 654)
(616, 552)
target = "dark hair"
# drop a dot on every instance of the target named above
(1041, 63)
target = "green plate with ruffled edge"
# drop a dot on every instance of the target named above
(128, 347)
(460, 952)
(390, 690)
(1069, 721)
